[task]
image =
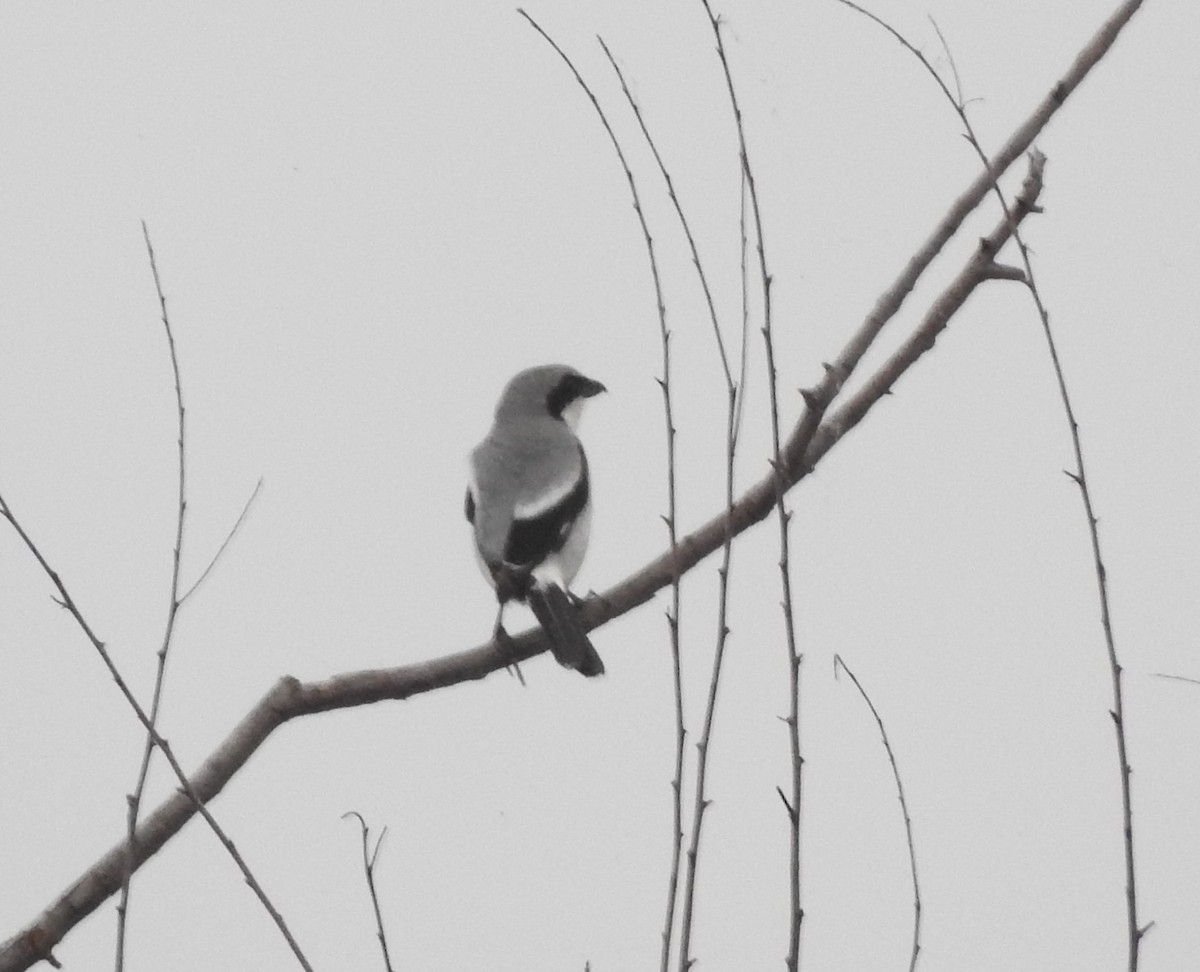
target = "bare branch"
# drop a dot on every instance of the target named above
(750, 191)
(977, 270)
(670, 518)
(681, 733)
(809, 441)
(1134, 932)
(369, 858)
(111, 871)
(679, 212)
(783, 518)
(290, 698)
(237, 525)
(1177, 678)
(135, 799)
(891, 300)
(838, 661)
(723, 573)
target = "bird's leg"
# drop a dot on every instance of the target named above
(500, 636)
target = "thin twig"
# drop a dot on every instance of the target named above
(744, 282)
(237, 525)
(369, 858)
(838, 661)
(670, 518)
(1177, 678)
(1134, 932)
(135, 799)
(734, 395)
(153, 739)
(818, 398)
(673, 614)
(130, 854)
(683, 221)
(794, 805)
(701, 802)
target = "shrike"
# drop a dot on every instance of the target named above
(529, 504)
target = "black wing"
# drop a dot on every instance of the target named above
(532, 540)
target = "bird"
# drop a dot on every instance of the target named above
(529, 505)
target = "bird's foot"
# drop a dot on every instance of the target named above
(508, 648)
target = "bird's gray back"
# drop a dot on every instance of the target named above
(515, 471)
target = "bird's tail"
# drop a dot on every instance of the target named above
(561, 621)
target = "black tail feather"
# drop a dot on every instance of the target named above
(560, 619)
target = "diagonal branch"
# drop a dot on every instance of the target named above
(810, 440)
(290, 698)
(820, 397)
(1134, 931)
(35, 942)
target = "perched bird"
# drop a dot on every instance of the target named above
(529, 504)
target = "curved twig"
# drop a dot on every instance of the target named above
(783, 518)
(672, 530)
(369, 858)
(1134, 932)
(233, 530)
(733, 399)
(1177, 678)
(670, 518)
(702, 277)
(839, 662)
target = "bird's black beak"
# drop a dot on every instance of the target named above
(588, 388)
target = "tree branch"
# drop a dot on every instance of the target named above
(670, 519)
(135, 798)
(290, 699)
(839, 662)
(370, 857)
(820, 397)
(810, 440)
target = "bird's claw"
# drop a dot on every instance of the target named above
(508, 648)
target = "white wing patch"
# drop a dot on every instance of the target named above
(538, 505)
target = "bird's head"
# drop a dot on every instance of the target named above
(555, 390)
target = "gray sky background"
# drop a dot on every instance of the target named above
(366, 220)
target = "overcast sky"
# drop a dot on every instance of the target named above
(367, 218)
